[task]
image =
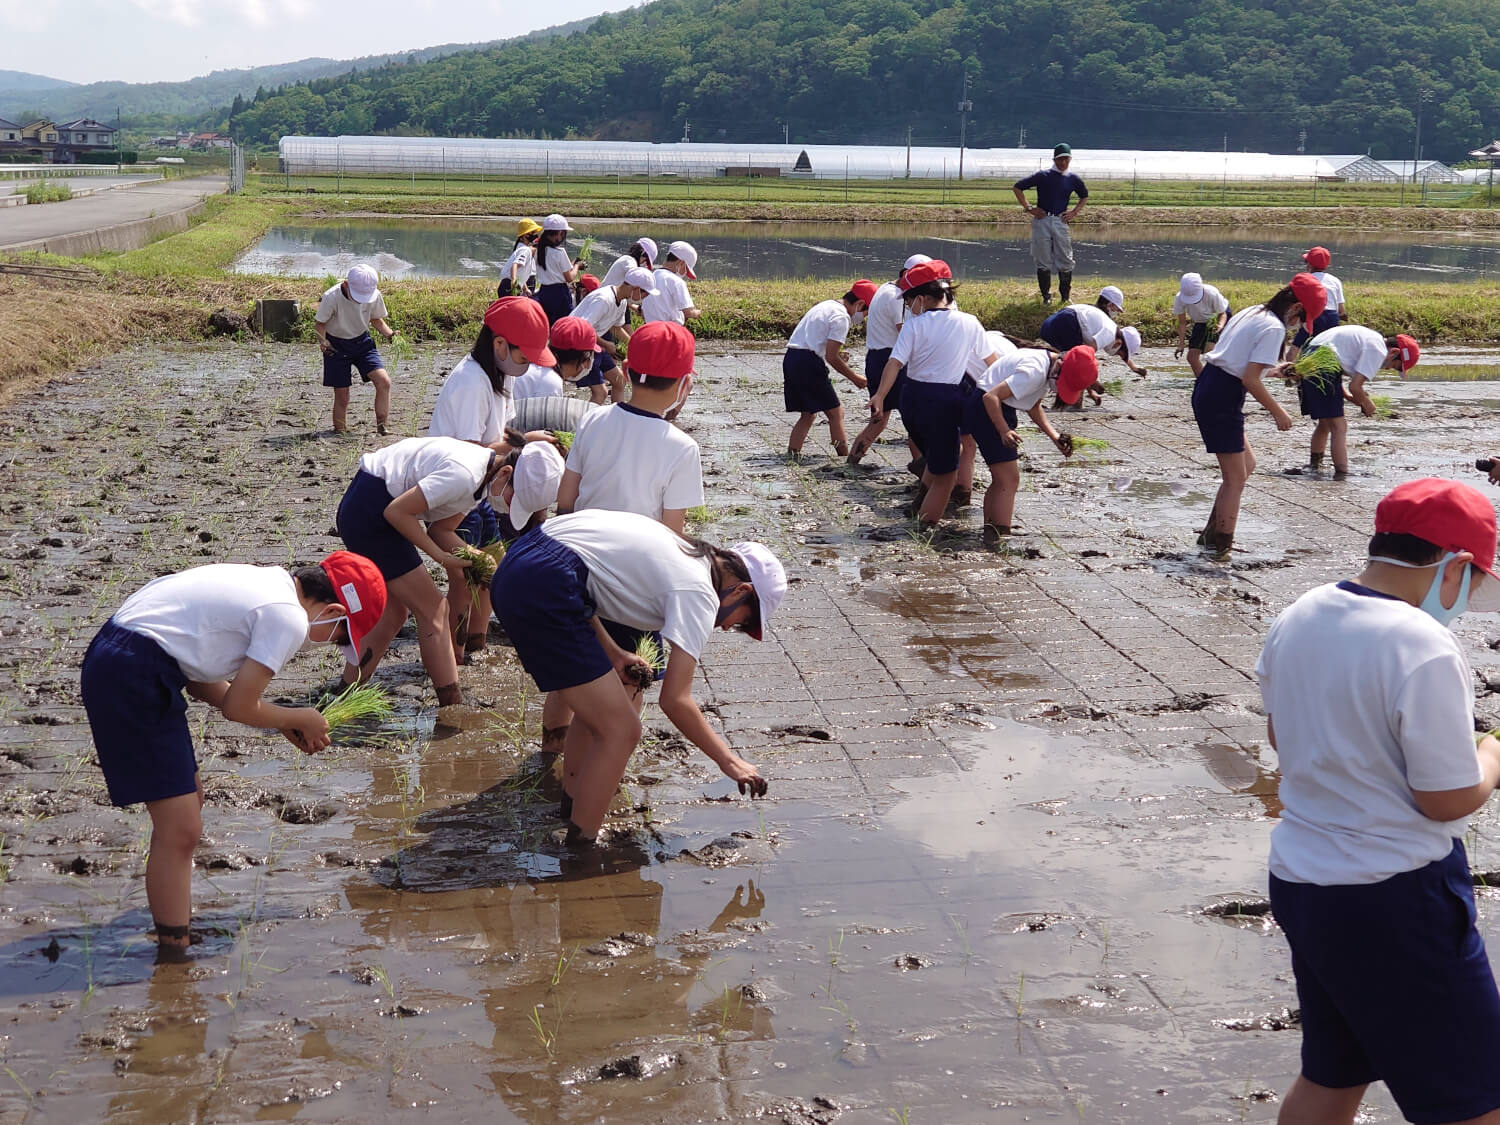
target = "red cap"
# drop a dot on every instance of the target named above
(589, 282)
(1410, 353)
(360, 590)
(661, 348)
(574, 334)
(521, 321)
(1080, 370)
(1312, 296)
(1317, 258)
(922, 273)
(1449, 515)
(864, 289)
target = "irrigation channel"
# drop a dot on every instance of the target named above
(778, 250)
(1011, 867)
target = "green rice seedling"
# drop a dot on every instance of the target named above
(1114, 387)
(1384, 409)
(698, 514)
(482, 562)
(1081, 443)
(588, 245)
(356, 703)
(649, 650)
(564, 439)
(1319, 368)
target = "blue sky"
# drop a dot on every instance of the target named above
(172, 40)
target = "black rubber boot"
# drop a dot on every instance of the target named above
(1044, 283)
(1064, 285)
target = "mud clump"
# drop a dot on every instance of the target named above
(1287, 1019)
(291, 810)
(639, 1066)
(910, 962)
(226, 322)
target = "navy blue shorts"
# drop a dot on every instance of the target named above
(933, 414)
(1320, 403)
(1201, 335)
(481, 527)
(1394, 985)
(365, 530)
(132, 692)
(557, 300)
(541, 596)
(348, 355)
(1219, 409)
(627, 638)
(977, 425)
(1062, 330)
(805, 385)
(875, 361)
(1328, 318)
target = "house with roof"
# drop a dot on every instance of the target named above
(86, 133)
(10, 134)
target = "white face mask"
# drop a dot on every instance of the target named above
(321, 620)
(856, 319)
(1432, 605)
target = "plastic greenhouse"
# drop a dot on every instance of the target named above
(500, 157)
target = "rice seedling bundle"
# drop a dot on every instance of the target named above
(482, 561)
(1383, 406)
(564, 439)
(357, 702)
(649, 650)
(1319, 368)
(1089, 443)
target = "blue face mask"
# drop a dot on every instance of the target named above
(1432, 604)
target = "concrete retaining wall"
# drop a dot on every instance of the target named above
(123, 236)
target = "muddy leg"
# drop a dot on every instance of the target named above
(380, 379)
(1234, 470)
(867, 438)
(417, 591)
(1338, 433)
(176, 828)
(604, 732)
(1000, 497)
(836, 431)
(340, 409)
(935, 502)
(800, 430)
(378, 639)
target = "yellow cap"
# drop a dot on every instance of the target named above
(527, 226)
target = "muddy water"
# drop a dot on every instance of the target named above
(777, 250)
(1009, 870)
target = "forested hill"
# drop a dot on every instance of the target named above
(1121, 73)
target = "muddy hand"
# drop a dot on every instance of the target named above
(747, 777)
(1065, 444)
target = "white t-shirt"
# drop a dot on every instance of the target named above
(1205, 309)
(445, 469)
(824, 322)
(1025, 371)
(1097, 326)
(1335, 290)
(631, 461)
(538, 382)
(468, 407)
(640, 576)
(616, 272)
(883, 322)
(552, 263)
(345, 317)
(672, 297)
(211, 619)
(942, 346)
(1361, 350)
(526, 256)
(1370, 698)
(603, 309)
(1252, 335)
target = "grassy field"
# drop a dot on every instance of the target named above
(168, 289)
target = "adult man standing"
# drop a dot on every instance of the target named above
(1051, 242)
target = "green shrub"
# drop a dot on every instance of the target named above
(43, 192)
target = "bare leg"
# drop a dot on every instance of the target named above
(176, 828)
(1195, 361)
(380, 379)
(966, 450)
(1234, 471)
(836, 431)
(1320, 435)
(605, 730)
(556, 716)
(1000, 497)
(867, 437)
(800, 429)
(935, 502)
(379, 639)
(340, 409)
(416, 593)
(1339, 438)
(1307, 1103)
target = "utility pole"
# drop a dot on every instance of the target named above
(687, 132)
(1301, 142)
(964, 105)
(908, 152)
(1021, 140)
(1424, 99)
(786, 133)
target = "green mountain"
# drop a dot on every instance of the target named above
(203, 100)
(1116, 73)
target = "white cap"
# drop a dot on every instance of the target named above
(1132, 338)
(649, 246)
(914, 260)
(767, 576)
(539, 470)
(643, 279)
(364, 283)
(1112, 294)
(684, 253)
(555, 222)
(1190, 289)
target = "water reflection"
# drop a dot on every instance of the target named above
(772, 250)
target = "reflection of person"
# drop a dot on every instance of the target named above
(1249, 346)
(1201, 305)
(222, 632)
(1051, 241)
(1370, 706)
(882, 327)
(816, 344)
(1361, 352)
(342, 323)
(556, 586)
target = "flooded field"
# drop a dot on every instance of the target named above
(1011, 867)
(776, 250)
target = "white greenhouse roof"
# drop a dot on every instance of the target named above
(470, 156)
(1434, 171)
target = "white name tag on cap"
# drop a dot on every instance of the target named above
(351, 597)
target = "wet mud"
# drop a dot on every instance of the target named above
(1011, 867)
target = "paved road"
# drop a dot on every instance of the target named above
(79, 184)
(107, 209)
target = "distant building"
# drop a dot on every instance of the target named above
(1423, 171)
(10, 133)
(56, 144)
(86, 133)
